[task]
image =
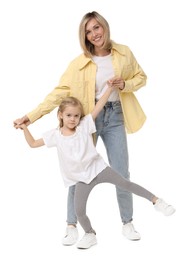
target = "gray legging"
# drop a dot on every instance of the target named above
(108, 175)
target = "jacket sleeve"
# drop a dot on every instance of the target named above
(53, 99)
(137, 77)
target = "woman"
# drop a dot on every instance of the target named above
(102, 61)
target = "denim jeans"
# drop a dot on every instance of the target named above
(110, 127)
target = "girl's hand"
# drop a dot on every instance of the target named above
(23, 120)
(116, 82)
(20, 126)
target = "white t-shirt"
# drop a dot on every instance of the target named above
(78, 158)
(104, 72)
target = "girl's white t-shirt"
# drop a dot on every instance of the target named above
(78, 158)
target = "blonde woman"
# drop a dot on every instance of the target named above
(103, 61)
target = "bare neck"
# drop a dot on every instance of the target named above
(101, 52)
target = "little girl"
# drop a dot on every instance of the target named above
(80, 163)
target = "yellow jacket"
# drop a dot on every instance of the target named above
(79, 81)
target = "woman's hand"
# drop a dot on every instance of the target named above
(116, 82)
(20, 126)
(24, 120)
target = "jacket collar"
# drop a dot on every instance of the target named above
(85, 60)
(117, 47)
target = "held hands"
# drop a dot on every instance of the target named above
(18, 123)
(20, 126)
(116, 82)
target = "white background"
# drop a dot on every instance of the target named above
(38, 40)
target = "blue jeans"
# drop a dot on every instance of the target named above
(110, 127)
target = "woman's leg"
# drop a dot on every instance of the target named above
(71, 233)
(71, 215)
(110, 127)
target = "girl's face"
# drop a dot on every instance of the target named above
(71, 117)
(95, 33)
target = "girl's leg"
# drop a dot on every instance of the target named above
(110, 176)
(82, 192)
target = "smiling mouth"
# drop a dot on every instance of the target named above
(97, 39)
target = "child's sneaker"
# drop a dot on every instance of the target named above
(163, 207)
(88, 240)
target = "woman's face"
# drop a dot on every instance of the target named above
(95, 33)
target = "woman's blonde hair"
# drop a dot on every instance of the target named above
(69, 101)
(86, 46)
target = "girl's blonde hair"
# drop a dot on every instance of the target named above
(69, 101)
(86, 46)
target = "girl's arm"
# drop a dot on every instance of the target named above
(29, 138)
(101, 102)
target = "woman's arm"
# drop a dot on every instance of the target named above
(29, 138)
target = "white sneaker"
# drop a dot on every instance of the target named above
(163, 207)
(71, 236)
(129, 232)
(88, 240)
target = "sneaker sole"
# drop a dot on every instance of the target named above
(132, 239)
(92, 244)
(170, 213)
